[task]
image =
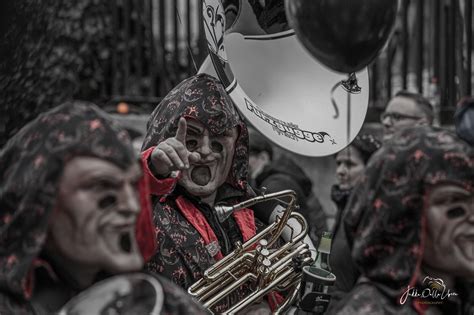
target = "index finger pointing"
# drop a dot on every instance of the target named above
(181, 132)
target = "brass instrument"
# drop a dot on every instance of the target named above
(255, 264)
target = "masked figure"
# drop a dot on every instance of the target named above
(410, 225)
(74, 210)
(196, 150)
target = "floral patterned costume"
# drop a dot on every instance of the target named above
(385, 221)
(31, 165)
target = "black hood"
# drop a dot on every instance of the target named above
(286, 166)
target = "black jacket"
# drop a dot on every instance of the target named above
(283, 174)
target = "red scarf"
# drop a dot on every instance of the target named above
(244, 218)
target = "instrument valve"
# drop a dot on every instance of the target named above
(263, 272)
(261, 252)
(238, 247)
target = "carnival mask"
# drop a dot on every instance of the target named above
(94, 221)
(450, 223)
(204, 177)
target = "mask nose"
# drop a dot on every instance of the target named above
(470, 208)
(129, 202)
(205, 147)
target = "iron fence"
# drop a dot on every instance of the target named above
(160, 42)
(430, 52)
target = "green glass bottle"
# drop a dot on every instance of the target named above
(324, 250)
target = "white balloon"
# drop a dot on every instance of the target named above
(283, 91)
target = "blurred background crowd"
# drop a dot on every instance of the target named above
(125, 55)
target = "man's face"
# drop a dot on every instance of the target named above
(204, 177)
(450, 225)
(401, 112)
(349, 167)
(94, 220)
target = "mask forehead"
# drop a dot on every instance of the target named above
(82, 169)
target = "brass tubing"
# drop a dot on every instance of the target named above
(300, 237)
(209, 272)
(216, 298)
(204, 284)
(291, 298)
(243, 265)
(216, 286)
(259, 294)
(302, 249)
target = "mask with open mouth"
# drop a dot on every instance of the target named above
(400, 192)
(97, 208)
(126, 242)
(203, 99)
(201, 175)
(216, 152)
(450, 241)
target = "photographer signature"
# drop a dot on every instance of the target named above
(435, 289)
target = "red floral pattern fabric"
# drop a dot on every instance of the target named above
(184, 231)
(203, 98)
(385, 220)
(30, 167)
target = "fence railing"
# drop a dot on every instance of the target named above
(160, 42)
(430, 52)
(157, 44)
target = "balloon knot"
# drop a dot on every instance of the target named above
(350, 85)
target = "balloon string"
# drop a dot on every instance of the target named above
(348, 135)
(350, 86)
(348, 117)
(333, 101)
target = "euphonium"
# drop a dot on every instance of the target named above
(255, 264)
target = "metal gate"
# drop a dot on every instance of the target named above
(160, 42)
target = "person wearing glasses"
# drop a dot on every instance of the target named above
(404, 110)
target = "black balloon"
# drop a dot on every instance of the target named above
(344, 35)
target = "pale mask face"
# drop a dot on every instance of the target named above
(204, 177)
(349, 167)
(94, 221)
(450, 225)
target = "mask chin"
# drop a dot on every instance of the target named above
(126, 262)
(200, 191)
(196, 189)
(122, 254)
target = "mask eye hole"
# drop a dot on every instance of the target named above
(191, 144)
(216, 146)
(455, 213)
(107, 201)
